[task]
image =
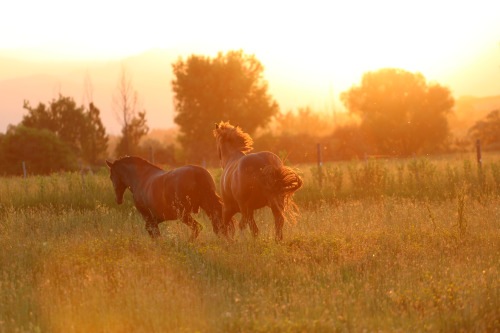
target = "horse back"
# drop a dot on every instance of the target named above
(178, 190)
(256, 161)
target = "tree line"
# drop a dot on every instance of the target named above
(63, 136)
(393, 112)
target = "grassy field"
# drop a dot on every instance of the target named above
(400, 245)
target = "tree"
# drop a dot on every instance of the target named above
(94, 140)
(62, 117)
(207, 90)
(400, 112)
(133, 121)
(41, 149)
(80, 128)
(132, 134)
(347, 142)
(488, 130)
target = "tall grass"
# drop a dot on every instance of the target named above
(420, 178)
(378, 259)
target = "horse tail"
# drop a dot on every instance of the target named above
(210, 201)
(282, 182)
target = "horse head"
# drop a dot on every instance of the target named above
(118, 184)
(231, 140)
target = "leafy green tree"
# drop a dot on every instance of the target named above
(207, 90)
(488, 129)
(400, 112)
(81, 129)
(41, 149)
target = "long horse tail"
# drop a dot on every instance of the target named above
(211, 203)
(282, 182)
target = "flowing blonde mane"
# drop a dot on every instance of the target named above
(233, 136)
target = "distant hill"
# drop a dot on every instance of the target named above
(41, 82)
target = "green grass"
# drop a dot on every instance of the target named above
(382, 259)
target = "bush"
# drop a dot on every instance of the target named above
(41, 150)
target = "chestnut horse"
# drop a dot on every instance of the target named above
(161, 195)
(252, 181)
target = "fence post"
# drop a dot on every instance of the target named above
(320, 163)
(152, 154)
(24, 169)
(25, 178)
(478, 151)
(480, 164)
(416, 169)
(81, 175)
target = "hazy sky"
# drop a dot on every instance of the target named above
(319, 44)
(417, 34)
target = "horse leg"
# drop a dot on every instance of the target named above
(228, 221)
(279, 220)
(152, 228)
(151, 223)
(247, 218)
(194, 225)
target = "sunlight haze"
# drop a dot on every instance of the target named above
(311, 51)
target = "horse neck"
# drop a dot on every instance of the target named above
(134, 175)
(229, 156)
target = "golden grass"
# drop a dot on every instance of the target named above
(375, 263)
(378, 265)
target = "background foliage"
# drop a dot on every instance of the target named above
(229, 87)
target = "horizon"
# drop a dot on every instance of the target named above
(311, 53)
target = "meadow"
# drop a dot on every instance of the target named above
(383, 245)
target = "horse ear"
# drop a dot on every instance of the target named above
(110, 164)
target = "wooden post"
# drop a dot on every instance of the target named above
(480, 164)
(416, 169)
(25, 178)
(366, 158)
(152, 154)
(320, 163)
(24, 169)
(81, 175)
(478, 150)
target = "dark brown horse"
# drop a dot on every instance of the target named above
(252, 181)
(161, 195)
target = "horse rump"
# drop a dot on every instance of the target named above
(281, 180)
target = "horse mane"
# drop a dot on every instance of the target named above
(233, 136)
(136, 160)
